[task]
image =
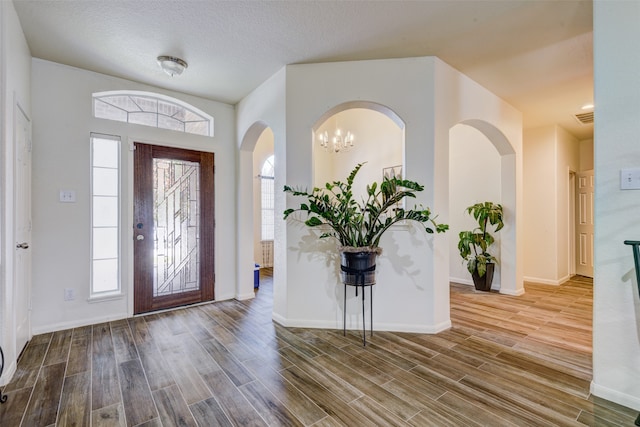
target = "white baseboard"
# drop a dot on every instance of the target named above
(557, 282)
(466, 281)
(615, 396)
(388, 327)
(250, 295)
(8, 372)
(61, 326)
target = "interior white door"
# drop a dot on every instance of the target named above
(22, 228)
(584, 223)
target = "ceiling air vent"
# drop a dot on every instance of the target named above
(585, 118)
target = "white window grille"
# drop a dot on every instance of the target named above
(152, 109)
(105, 214)
(267, 193)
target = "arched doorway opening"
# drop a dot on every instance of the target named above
(256, 147)
(482, 167)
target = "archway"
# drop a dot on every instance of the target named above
(482, 168)
(256, 146)
(378, 140)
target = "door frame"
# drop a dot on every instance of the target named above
(207, 218)
(23, 333)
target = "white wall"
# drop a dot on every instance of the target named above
(461, 100)
(403, 297)
(616, 322)
(568, 162)
(378, 142)
(15, 68)
(474, 176)
(262, 108)
(551, 153)
(412, 293)
(540, 205)
(586, 155)
(63, 121)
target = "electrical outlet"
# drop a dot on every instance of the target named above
(67, 196)
(69, 294)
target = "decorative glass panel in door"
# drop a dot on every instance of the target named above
(176, 190)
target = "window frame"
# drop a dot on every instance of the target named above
(97, 97)
(263, 179)
(117, 292)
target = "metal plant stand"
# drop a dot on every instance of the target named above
(360, 274)
(636, 259)
(3, 397)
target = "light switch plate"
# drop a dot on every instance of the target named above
(67, 196)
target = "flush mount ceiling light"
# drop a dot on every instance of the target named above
(172, 65)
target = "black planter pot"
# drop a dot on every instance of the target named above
(484, 283)
(358, 265)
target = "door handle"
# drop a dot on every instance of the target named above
(139, 237)
(23, 245)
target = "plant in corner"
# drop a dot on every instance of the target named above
(358, 226)
(473, 244)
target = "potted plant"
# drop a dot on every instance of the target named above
(358, 226)
(473, 244)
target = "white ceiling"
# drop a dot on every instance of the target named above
(536, 54)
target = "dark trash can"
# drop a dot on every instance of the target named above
(256, 276)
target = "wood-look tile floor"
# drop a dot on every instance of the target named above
(507, 361)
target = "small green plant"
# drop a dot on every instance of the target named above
(473, 244)
(361, 224)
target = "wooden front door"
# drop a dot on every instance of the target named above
(173, 228)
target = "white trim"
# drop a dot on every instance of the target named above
(615, 396)
(247, 296)
(386, 327)
(107, 296)
(547, 281)
(8, 372)
(95, 296)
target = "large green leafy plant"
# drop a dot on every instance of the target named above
(361, 224)
(473, 244)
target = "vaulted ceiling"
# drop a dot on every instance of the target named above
(537, 55)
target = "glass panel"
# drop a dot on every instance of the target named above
(165, 122)
(105, 275)
(105, 214)
(147, 119)
(105, 153)
(105, 182)
(198, 128)
(105, 243)
(177, 226)
(169, 109)
(145, 104)
(105, 211)
(149, 111)
(108, 111)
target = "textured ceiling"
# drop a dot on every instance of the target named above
(535, 54)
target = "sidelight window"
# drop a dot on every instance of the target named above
(105, 217)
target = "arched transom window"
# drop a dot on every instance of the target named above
(152, 109)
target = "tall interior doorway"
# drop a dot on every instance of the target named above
(173, 227)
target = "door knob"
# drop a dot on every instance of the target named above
(23, 245)
(139, 237)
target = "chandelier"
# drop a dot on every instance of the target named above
(338, 142)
